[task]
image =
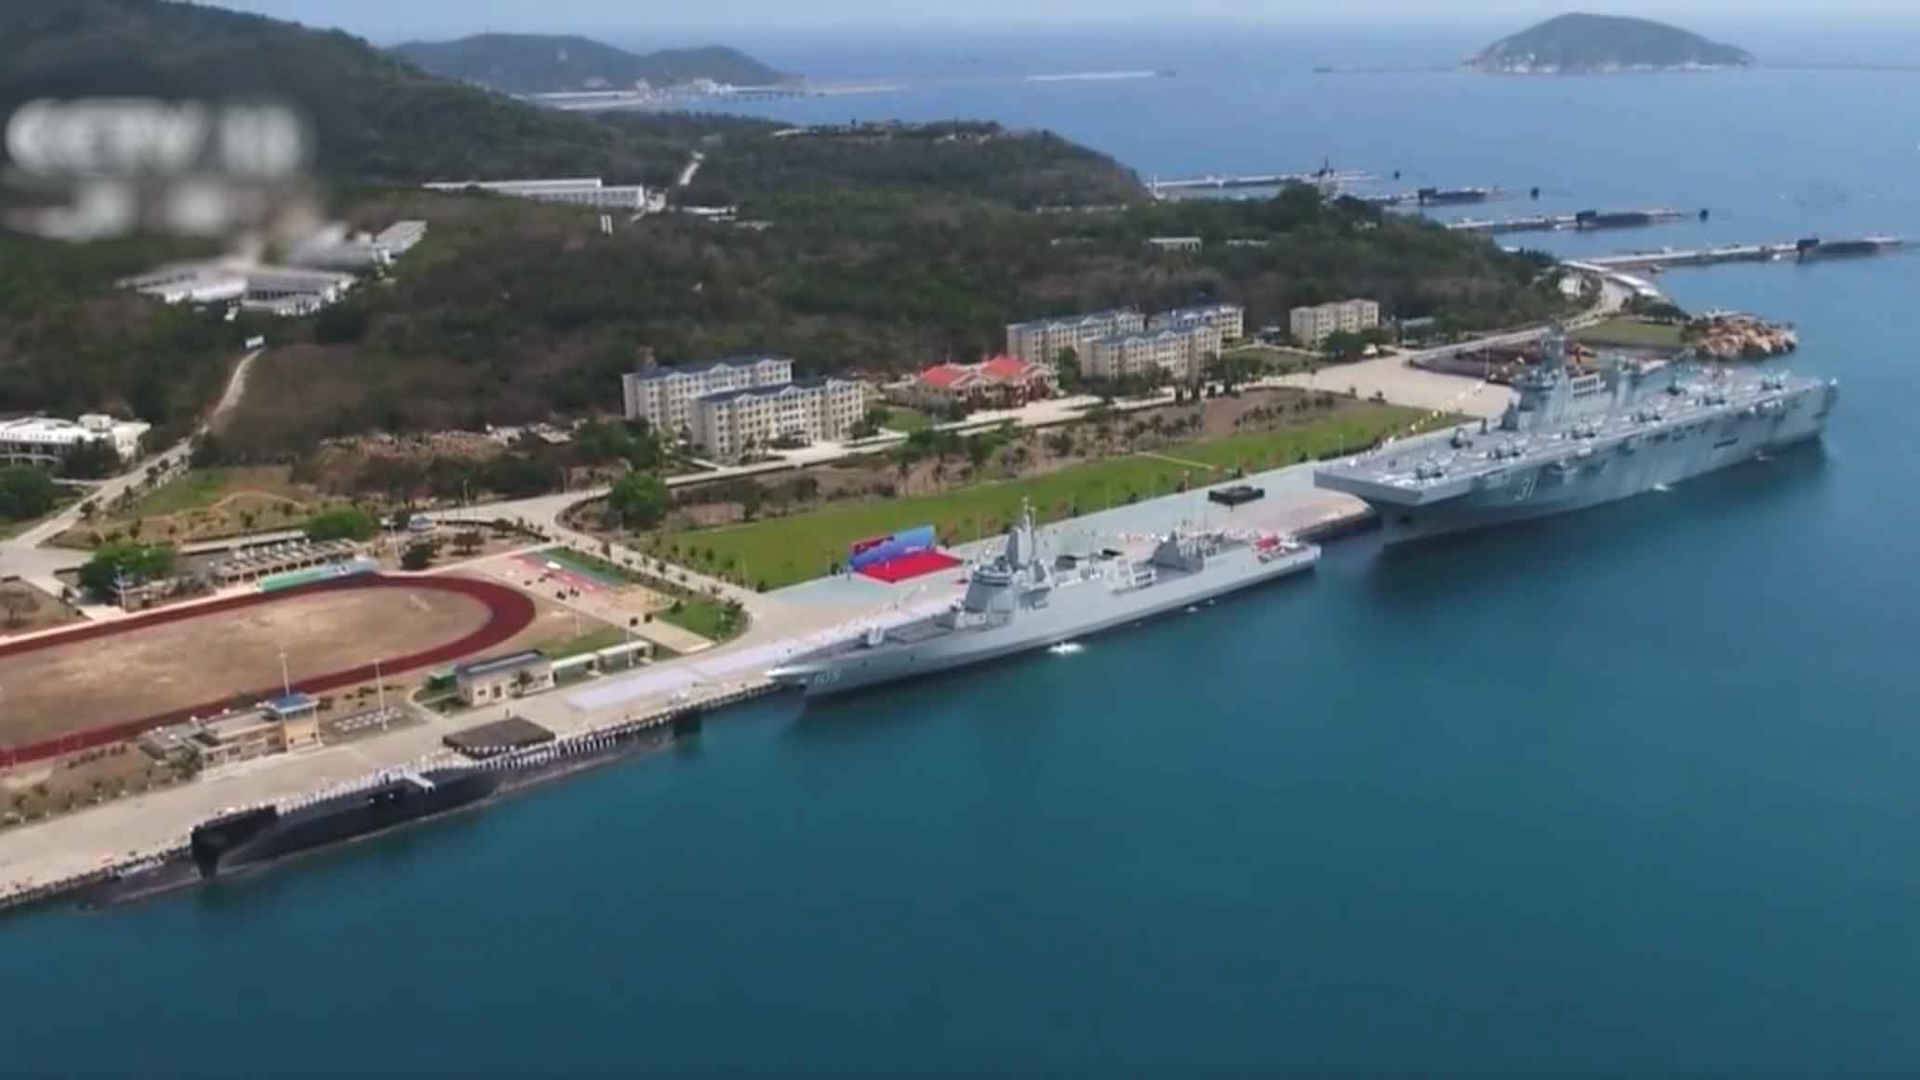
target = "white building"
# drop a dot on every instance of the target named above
(43, 440)
(582, 191)
(1174, 243)
(332, 248)
(278, 290)
(501, 677)
(1311, 325)
(1229, 319)
(1039, 341)
(1180, 351)
(663, 396)
(728, 424)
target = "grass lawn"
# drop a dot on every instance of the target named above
(785, 550)
(201, 488)
(1630, 333)
(592, 641)
(905, 420)
(704, 616)
(1274, 361)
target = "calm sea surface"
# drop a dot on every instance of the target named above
(1632, 791)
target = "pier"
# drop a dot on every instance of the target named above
(1585, 220)
(1213, 182)
(1803, 250)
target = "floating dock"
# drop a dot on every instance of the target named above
(1585, 220)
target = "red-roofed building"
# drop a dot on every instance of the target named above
(1002, 382)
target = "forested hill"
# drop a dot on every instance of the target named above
(376, 117)
(1577, 42)
(547, 63)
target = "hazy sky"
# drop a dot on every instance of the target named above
(386, 21)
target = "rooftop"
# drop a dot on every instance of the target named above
(816, 383)
(703, 366)
(526, 658)
(1091, 316)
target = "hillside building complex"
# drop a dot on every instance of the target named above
(1229, 319)
(1040, 341)
(583, 191)
(664, 396)
(272, 290)
(45, 441)
(732, 423)
(1311, 325)
(1180, 350)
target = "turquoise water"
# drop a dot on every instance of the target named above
(1631, 791)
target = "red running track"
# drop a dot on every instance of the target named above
(509, 611)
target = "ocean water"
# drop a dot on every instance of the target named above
(1630, 792)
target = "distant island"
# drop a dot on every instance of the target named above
(1578, 43)
(548, 64)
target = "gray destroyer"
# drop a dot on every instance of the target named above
(1019, 601)
(1574, 441)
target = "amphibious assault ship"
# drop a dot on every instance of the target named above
(1019, 600)
(1572, 441)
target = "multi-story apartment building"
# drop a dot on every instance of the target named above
(728, 424)
(1180, 350)
(1311, 325)
(1039, 341)
(1229, 319)
(663, 396)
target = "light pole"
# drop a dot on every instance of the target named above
(380, 691)
(286, 682)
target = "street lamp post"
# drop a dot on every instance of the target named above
(286, 681)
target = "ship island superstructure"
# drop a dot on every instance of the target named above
(1020, 600)
(1571, 441)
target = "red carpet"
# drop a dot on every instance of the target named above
(911, 565)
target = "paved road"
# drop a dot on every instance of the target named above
(22, 554)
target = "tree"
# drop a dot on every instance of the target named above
(1067, 367)
(1344, 345)
(91, 459)
(136, 561)
(418, 556)
(25, 492)
(208, 451)
(640, 500)
(468, 541)
(342, 523)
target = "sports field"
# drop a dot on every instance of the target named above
(108, 680)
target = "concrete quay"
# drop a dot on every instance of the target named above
(42, 860)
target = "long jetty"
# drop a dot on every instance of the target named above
(1586, 220)
(592, 745)
(1797, 250)
(1215, 182)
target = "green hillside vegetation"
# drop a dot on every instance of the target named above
(375, 117)
(885, 247)
(516, 312)
(1579, 42)
(547, 63)
(69, 343)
